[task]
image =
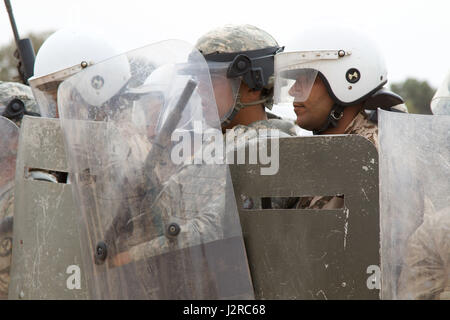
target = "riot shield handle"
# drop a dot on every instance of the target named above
(122, 221)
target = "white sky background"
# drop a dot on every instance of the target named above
(414, 35)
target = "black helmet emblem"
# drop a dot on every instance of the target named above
(353, 75)
(97, 82)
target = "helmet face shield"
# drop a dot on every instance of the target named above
(45, 90)
(440, 104)
(45, 95)
(296, 72)
(226, 89)
(295, 85)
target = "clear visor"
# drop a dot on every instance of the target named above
(153, 108)
(441, 106)
(45, 90)
(226, 89)
(296, 72)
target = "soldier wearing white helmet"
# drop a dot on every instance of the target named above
(64, 54)
(337, 75)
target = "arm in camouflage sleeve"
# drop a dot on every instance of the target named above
(195, 200)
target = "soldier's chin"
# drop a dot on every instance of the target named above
(302, 123)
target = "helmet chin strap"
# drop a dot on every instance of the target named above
(238, 105)
(336, 114)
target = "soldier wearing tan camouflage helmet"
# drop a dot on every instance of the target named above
(16, 100)
(241, 64)
(240, 59)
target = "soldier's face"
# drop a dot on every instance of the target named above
(313, 112)
(223, 93)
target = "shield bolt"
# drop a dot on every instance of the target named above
(101, 252)
(173, 229)
(241, 65)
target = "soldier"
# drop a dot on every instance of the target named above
(426, 273)
(65, 53)
(16, 100)
(169, 235)
(338, 73)
(240, 59)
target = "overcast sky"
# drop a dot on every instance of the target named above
(413, 34)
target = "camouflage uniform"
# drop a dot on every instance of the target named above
(426, 274)
(239, 38)
(285, 129)
(15, 90)
(361, 126)
(6, 210)
(8, 148)
(195, 198)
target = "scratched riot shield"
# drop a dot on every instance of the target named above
(9, 138)
(414, 205)
(157, 221)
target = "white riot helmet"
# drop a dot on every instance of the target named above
(440, 104)
(347, 61)
(65, 53)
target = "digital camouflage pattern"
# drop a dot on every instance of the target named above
(361, 126)
(285, 129)
(426, 274)
(15, 90)
(6, 210)
(195, 198)
(239, 38)
(235, 38)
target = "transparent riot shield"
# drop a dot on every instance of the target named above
(414, 205)
(157, 221)
(9, 137)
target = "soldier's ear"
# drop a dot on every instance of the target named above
(253, 94)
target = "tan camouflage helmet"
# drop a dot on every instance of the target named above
(235, 38)
(240, 39)
(14, 90)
